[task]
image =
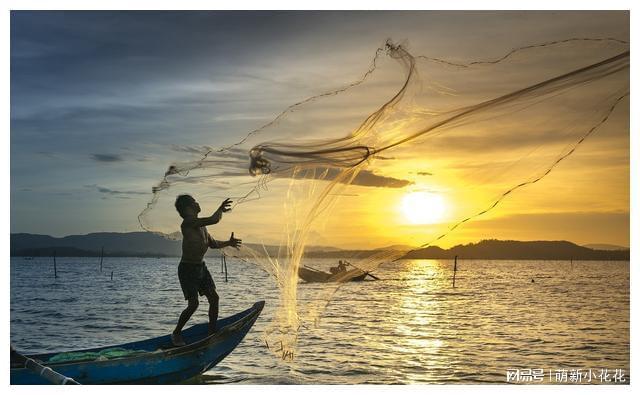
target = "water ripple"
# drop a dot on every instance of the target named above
(410, 328)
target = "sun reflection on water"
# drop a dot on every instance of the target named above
(420, 336)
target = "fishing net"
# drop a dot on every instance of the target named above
(469, 135)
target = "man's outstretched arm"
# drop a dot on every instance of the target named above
(213, 219)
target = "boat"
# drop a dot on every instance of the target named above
(153, 361)
(317, 276)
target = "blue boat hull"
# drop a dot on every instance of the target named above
(161, 364)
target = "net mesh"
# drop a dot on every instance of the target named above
(470, 134)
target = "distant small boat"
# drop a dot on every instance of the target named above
(153, 361)
(316, 276)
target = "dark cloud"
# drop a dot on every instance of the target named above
(109, 191)
(368, 178)
(365, 178)
(424, 173)
(106, 157)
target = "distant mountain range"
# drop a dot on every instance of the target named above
(609, 247)
(115, 244)
(143, 244)
(519, 250)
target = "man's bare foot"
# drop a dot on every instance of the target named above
(177, 340)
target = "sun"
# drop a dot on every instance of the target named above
(423, 207)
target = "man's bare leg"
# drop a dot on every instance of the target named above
(214, 300)
(176, 336)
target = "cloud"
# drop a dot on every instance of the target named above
(109, 191)
(368, 178)
(424, 173)
(365, 178)
(106, 157)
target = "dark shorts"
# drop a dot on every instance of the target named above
(195, 279)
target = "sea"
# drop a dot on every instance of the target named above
(520, 322)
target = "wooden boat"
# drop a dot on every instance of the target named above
(160, 364)
(316, 276)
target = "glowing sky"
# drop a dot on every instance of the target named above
(103, 102)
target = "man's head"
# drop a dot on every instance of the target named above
(187, 206)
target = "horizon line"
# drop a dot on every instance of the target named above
(343, 248)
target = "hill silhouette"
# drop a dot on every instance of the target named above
(115, 244)
(519, 250)
(610, 247)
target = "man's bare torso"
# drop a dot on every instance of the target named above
(195, 242)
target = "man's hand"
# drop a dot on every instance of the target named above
(233, 242)
(225, 206)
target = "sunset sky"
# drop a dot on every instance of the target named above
(103, 102)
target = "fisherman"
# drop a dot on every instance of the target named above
(342, 267)
(192, 272)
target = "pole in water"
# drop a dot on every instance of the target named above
(221, 262)
(101, 256)
(112, 275)
(224, 259)
(455, 269)
(55, 269)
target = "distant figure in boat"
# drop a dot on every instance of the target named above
(192, 272)
(342, 267)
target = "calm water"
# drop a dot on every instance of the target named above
(410, 327)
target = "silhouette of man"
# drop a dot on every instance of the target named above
(192, 272)
(342, 267)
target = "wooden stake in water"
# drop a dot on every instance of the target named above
(101, 256)
(224, 259)
(55, 268)
(455, 269)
